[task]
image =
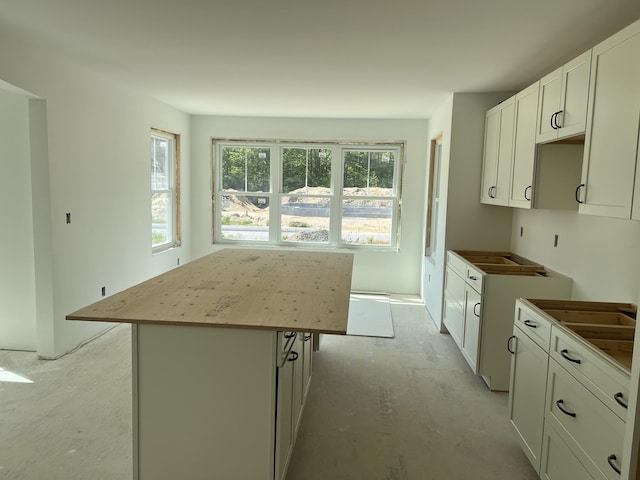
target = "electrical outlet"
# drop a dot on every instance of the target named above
(521, 231)
(68, 216)
(555, 241)
(104, 291)
(178, 261)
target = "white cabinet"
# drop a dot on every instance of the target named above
(562, 107)
(528, 381)
(524, 147)
(574, 359)
(611, 142)
(213, 402)
(498, 149)
(479, 305)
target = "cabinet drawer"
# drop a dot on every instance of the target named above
(458, 264)
(558, 461)
(533, 324)
(475, 278)
(591, 430)
(606, 380)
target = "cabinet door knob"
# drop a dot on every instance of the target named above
(529, 188)
(530, 324)
(560, 404)
(612, 459)
(578, 192)
(565, 353)
(619, 397)
(512, 352)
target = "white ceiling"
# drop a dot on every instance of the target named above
(320, 58)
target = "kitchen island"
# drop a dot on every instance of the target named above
(222, 360)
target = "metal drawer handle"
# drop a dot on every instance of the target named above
(474, 309)
(529, 188)
(560, 404)
(619, 397)
(565, 354)
(530, 324)
(471, 277)
(512, 352)
(612, 458)
(293, 356)
(582, 185)
(290, 335)
(306, 338)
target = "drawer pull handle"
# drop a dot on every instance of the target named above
(530, 324)
(582, 185)
(565, 354)
(474, 309)
(293, 356)
(619, 397)
(306, 338)
(471, 277)
(611, 459)
(290, 335)
(560, 404)
(509, 344)
(529, 188)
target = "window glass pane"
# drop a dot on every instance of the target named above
(367, 222)
(305, 219)
(161, 229)
(304, 168)
(159, 163)
(245, 217)
(369, 173)
(246, 169)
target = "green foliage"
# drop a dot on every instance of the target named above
(229, 220)
(296, 223)
(246, 169)
(157, 238)
(305, 167)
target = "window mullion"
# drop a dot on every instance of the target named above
(335, 221)
(275, 198)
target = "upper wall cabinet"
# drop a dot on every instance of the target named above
(562, 107)
(611, 143)
(498, 149)
(524, 147)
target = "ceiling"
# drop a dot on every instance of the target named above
(320, 58)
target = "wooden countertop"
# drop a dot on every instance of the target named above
(240, 288)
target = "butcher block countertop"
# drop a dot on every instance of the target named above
(240, 288)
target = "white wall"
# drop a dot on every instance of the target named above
(464, 223)
(398, 272)
(17, 274)
(98, 165)
(600, 254)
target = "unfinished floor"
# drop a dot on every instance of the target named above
(406, 408)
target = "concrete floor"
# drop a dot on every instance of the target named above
(406, 408)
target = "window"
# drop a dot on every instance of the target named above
(289, 193)
(165, 195)
(434, 197)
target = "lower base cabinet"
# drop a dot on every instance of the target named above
(216, 402)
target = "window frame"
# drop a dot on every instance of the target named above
(173, 189)
(335, 196)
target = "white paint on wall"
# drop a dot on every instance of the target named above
(392, 272)
(17, 272)
(99, 171)
(600, 254)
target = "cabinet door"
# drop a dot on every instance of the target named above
(527, 393)
(490, 159)
(574, 97)
(284, 416)
(548, 105)
(453, 317)
(472, 327)
(524, 147)
(307, 359)
(558, 461)
(498, 150)
(611, 142)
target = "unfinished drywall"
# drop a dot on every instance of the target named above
(396, 272)
(17, 275)
(98, 159)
